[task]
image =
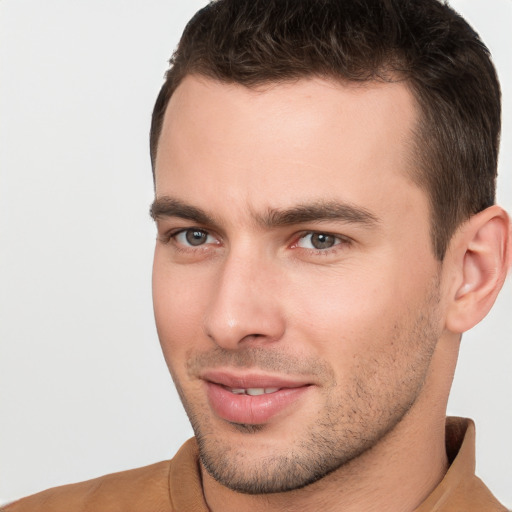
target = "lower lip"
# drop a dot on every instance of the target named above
(251, 410)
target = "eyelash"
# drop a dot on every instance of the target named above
(341, 241)
(171, 238)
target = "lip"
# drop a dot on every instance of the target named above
(246, 409)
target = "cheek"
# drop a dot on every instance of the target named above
(179, 298)
(350, 314)
(342, 305)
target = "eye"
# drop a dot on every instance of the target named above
(193, 237)
(318, 241)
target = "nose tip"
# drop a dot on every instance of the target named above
(244, 309)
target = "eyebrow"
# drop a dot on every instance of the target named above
(169, 207)
(319, 211)
(315, 212)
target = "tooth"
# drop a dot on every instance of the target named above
(255, 391)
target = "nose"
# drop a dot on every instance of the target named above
(246, 306)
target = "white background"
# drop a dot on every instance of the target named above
(83, 386)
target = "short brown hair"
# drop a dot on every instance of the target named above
(424, 42)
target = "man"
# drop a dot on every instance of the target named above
(324, 197)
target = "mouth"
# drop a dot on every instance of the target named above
(252, 399)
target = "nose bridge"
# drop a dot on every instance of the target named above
(245, 304)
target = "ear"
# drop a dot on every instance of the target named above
(479, 256)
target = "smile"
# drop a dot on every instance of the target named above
(252, 399)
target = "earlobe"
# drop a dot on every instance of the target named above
(481, 258)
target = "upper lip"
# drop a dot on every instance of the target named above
(236, 380)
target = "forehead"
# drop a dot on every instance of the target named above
(279, 144)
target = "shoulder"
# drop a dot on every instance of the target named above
(475, 495)
(144, 488)
(461, 489)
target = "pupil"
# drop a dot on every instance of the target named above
(322, 241)
(195, 237)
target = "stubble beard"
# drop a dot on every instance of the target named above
(356, 415)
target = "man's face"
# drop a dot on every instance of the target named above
(295, 290)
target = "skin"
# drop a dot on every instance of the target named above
(363, 320)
